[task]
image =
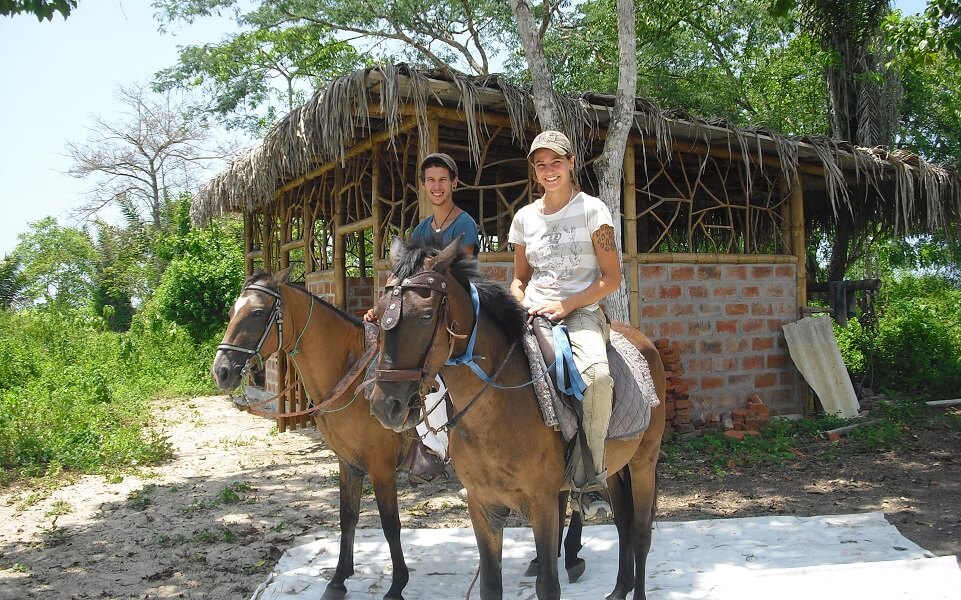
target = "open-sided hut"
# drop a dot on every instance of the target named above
(713, 217)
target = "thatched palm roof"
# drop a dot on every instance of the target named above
(846, 183)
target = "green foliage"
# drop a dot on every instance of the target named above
(42, 9)
(57, 264)
(202, 280)
(916, 348)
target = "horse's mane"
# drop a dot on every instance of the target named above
(496, 301)
(261, 278)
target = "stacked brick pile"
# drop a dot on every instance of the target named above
(747, 421)
(677, 401)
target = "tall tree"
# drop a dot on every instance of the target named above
(58, 264)
(610, 165)
(252, 77)
(11, 283)
(466, 36)
(147, 153)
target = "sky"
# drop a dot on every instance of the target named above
(56, 76)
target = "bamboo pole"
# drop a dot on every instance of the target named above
(797, 242)
(355, 227)
(376, 210)
(340, 263)
(433, 142)
(629, 202)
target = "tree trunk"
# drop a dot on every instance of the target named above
(610, 166)
(544, 101)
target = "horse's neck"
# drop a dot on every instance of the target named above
(492, 353)
(325, 344)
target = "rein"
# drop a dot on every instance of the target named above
(339, 389)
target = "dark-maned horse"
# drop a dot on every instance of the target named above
(326, 344)
(501, 450)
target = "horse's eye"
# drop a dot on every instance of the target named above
(258, 312)
(427, 316)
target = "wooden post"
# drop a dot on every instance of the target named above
(376, 211)
(248, 244)
(433, 142)
(340, 263)
(629, 201)
(798, 248)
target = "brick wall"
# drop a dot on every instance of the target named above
(721, 326)
(725, 321)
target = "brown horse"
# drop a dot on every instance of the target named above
(501, 450)
(325, 345)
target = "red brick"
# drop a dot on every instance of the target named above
(735, 272)
(682, 404)
(785, 271)
(669, 292)
(752, 325)
(751, 291)
(735, 345)
(726, 327)
(764, 380)
(740, 379)
(673, 328)
(712, 347)
(682, 273)
(726, 364)
(653, 311)
(711, 382)
(762, 272)
(699, 365)
(760, 344)
(752, 363)
(725, 291)
(682, 310)
(648, 292)
(735, 309)
(762, 309)
(699, 328)
(653, 273)
(662, 343)
(775, 291)
(708, 272)
(777, 361)
(697, 291)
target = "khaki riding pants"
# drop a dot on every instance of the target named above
(589, 333)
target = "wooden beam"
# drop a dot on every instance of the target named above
(798, 247)
(629, 203)
(340, 262)
(354, 227)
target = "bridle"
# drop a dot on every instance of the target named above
(429, 280)
(275, 317)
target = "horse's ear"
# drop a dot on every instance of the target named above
(281, 276)
(441, 261)
(396, 251)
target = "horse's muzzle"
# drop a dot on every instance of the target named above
(395, 404)
(226, 374)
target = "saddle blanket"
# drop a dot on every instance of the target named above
(634, 394)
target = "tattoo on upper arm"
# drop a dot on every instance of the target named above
(604, 237)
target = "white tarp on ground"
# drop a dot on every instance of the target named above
(757, 558)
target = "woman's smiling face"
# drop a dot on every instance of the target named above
(552, 170)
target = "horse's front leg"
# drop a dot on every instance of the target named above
(351, 486)
(545, 523)
(488, 524)
(385, 491)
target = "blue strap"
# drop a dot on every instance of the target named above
(467, 358)
(564, 366)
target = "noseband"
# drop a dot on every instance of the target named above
(275, 316)
(430, 280)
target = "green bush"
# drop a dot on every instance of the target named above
(916, 349)
(74, 397)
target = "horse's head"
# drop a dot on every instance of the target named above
(255, 330)
(416, 334)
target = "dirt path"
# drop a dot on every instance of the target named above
(212, 522)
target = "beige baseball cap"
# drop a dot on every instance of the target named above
(552, 140)
(439, 158)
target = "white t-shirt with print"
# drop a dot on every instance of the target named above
(559, 247)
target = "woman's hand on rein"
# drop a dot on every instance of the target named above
(555, 311)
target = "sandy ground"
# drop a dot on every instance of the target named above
(213, 521)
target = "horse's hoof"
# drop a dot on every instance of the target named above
(574, 572)
(531, 569)
(334, 592)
